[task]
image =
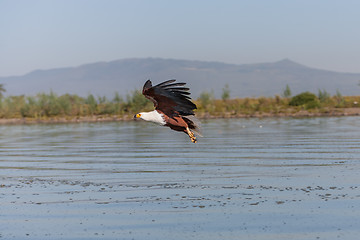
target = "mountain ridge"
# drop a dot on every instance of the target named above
(126, 75)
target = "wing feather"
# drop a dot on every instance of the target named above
(166, 82)
(174, 85)
(178, 89)
(171, 98)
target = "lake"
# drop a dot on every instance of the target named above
(273, 178)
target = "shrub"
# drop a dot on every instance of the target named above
(206, 99)
(226, 93)
(302, 99)
(312, 104)
(287, 92)
(323, 96)
(306, 99)
(137, 102)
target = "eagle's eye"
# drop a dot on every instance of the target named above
(138, 115)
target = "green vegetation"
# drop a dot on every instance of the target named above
(206, 101)
(226, 93)
(2, 90)
(324, 96)
(45, 106)
(51, 105)
(306, 99)
(305, 103)
(287, 92)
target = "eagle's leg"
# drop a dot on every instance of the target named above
(191, 135)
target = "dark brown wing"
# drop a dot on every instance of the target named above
(169, 97)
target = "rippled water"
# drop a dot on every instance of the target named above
(246, 179)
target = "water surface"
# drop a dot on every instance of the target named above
(246, 179)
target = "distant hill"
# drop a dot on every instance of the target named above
(126, 75)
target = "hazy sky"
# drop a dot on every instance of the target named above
(43, 34)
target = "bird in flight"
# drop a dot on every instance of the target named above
(173, 107)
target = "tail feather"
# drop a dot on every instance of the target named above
(194, 124)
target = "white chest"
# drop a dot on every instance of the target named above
(153, 116)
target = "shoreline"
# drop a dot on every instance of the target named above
(338, 112)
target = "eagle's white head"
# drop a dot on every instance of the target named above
(153, 116)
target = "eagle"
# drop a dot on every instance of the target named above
(173, 107)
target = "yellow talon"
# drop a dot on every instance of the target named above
(191, 135)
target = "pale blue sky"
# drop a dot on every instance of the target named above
(43, 34)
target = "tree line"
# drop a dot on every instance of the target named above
(284, 103)
(50, 105)
(45, 105)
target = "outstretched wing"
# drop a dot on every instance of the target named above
(170, 98)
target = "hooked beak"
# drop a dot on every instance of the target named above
(136, 116)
